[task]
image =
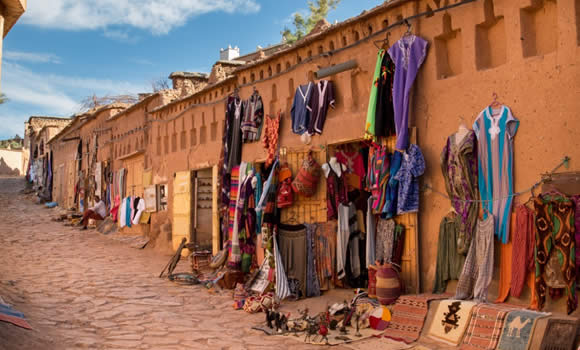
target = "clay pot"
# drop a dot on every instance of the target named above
(389, 286)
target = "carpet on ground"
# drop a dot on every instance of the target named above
(408, 316)
(451, 320)
(485, 327)
(8, 314)
(518, 329)
(560, 334)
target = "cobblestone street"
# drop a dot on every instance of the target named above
(80, 289)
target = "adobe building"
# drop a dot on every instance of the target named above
(10, 12)
(515, 49)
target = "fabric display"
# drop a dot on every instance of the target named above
(555, 244)
(459, 168)
(285, 197)
(478, 268)
(321, 98)
(412, 166)
(451, 320)
(486, 326)
(449, 258)
(495, 131)
(233, 138)
(518, 329)
(355, 169)
(307, 178)
(408, 317)
(336, 189)
(381, 115)
(271, 135)
(299, 112)
(523, 238)
(292, 245)
(252, 119)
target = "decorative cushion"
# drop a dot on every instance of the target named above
(307, 178)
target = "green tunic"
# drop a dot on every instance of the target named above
(449, 261)
(370, 123)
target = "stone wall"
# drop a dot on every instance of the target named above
(11, 162)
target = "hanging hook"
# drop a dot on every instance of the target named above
(408, 25)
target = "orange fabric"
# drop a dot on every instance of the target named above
(532, 284)
(259, 250)
(505, 272)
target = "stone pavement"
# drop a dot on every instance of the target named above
(80, 289)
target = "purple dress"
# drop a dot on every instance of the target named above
(408, 54)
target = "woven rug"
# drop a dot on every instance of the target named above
(560, 334)
(409, 314)
(486, 326)
(518, 329)
(8, 314)
(451, 320)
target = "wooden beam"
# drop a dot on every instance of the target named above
(215, 225)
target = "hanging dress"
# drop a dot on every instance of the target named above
(495, 136)
(408, 55)
(459, 168)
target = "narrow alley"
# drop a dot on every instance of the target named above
(80, 289)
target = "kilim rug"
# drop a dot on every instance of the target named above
(518, 329)
(560, 334)
(451, 320)
(8, 314)
(408, 316)
(486, 326)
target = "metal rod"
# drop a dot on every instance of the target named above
(341, 67)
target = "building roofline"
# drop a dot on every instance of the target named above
(133, 106)
(308, 39)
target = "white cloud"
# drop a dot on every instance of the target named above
(157, 16)
(31, 57)
(32, 93)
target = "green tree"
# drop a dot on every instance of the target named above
(303, 25)
(3, 98)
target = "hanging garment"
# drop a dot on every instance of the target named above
(140, 210)
(236, 254)
(252, 120)
(326, 254)
(495, 136)
(398, 245)
(371, 232)
(412, 166)
(282, 288)
(346, 225)
(270, 139)
(353, 257)
(576, 200)
(123, 213)
(408, 55)
(336, 191)
(299, 113)
(554, 238)
(371, 111)
(128, 209)
(312, 283)
(478, 268)
(292, 244)
(459, 168)
(385, 240)
(523, 238)
(234, 187)
(115, 209)
(378, 177)
(322, 98)
(135, 202)
(390, 208)
(257, 196)
(234, 115)
(385, 113)
(505, 270)
(354, 165)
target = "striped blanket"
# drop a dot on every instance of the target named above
(409, 314)
(485, 327)
(234, 187)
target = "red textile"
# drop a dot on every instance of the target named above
(523, 239)
(354, 163)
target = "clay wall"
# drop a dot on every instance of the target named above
(525, 51)
(11, 162)
(185, 135)
(64, 147)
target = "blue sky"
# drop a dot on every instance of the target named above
(62, 51)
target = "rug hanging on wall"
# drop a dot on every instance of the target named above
(451, 320)
(560, 334)
(518, 329)
(485, 327)
(408, 316)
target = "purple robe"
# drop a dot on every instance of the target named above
(408, 54)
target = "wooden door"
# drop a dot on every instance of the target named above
(182, 208)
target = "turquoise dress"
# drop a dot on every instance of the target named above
(495, 136)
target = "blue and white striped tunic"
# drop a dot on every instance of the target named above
(495, 131)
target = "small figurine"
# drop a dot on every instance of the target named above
(357, 319)
(283, 324)
(310, 331)
(270, 317)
